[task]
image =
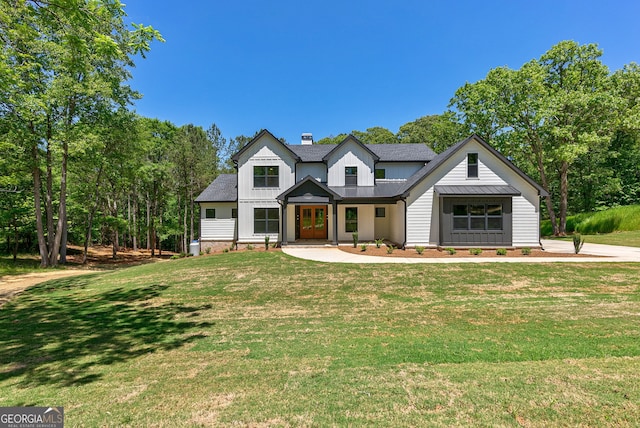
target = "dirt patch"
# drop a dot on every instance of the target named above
(99, 258)
(372, 250)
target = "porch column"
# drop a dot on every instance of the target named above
(335, 223)
(284, 222)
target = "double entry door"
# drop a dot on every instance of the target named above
(313, 222)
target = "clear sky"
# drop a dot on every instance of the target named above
(330, 67)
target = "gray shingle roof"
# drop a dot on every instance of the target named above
(222, 189)
(380, 190)
(386, 152)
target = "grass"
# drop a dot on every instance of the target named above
(21, 266)
(618, 219)
(261, 339)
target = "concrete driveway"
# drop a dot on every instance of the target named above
(601, 253)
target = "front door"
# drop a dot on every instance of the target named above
(313, 222)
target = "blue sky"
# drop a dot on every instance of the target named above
(330, 67)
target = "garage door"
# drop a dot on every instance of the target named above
(475, 221)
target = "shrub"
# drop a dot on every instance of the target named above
(501, 251)
(363, 247)
(390, 249)
(249, 247)
(419, 250)
(526, 251)
(578, 242)
(175, 257)
(354, 236)
(226, 250)
(450, 250)
(475, 251)
(379, 242)
(266, 243)
(207, 250)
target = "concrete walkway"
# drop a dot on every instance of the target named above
(602, 253)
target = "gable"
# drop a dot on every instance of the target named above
(450, 168)
(266, 147)
(350, 153)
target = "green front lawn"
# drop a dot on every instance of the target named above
(262, 339)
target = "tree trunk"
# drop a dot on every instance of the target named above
(49, 203)
(92, 212)
(63, 243)
(134, 238)
(564, 196)
(149, 224)
(128, 237)
(185, 244)
(15, 239)
(62, 209)
(37, 189)
(535, 144)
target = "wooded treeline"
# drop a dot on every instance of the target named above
(77, 165)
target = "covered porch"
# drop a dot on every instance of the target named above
(312, 213)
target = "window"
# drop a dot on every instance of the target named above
(210, 213)
(351, 176)
(380, 212)
(477, 217)
(381, 174)
(266, 220)
(351, 219)
(234, 213)
(472, 165)
(266, 176)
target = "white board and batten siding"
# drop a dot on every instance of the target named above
(398, 171)
(266, 152)
(315, 170)
(349, 155)
(423, 212)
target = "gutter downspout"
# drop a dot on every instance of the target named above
(404, 244)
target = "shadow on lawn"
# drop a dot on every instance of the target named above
(62, 339)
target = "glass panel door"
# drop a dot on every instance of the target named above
(306, 223)
(313, 222)
(319, 223)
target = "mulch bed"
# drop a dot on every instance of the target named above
(372, 250)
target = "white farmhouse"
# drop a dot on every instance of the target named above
(467, 196)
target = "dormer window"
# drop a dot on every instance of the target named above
(351, 176)
(472, 165)
(266, 176)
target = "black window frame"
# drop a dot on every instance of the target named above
(264, 219)
(381, 212)
(468, 216)
(266, 176)
(351, 221)
(350, 176)
(234, 213)
(207, 211)
(380, 173)
(472, 165)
